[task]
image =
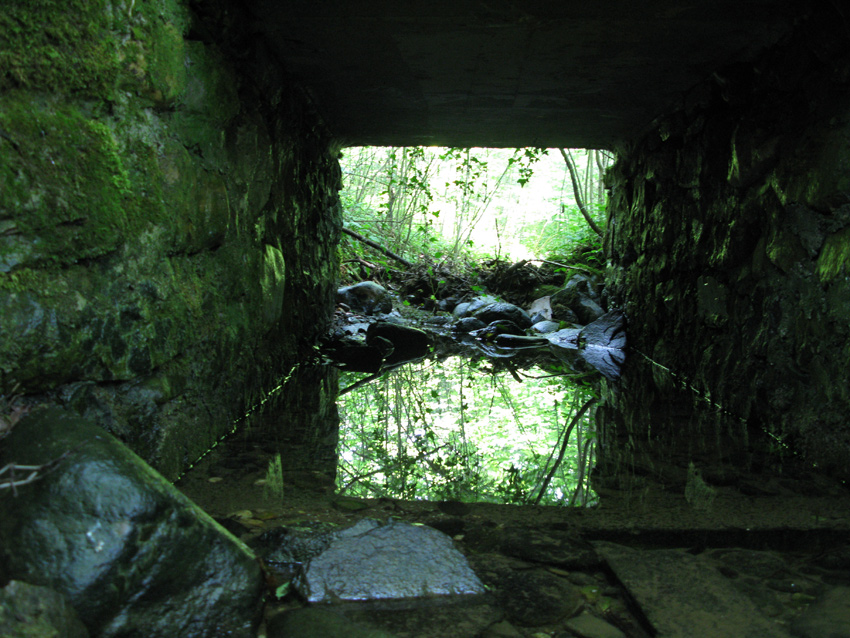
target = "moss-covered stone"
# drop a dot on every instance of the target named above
(835, 255)
(63, 185)
(733, 216)
(168, 216)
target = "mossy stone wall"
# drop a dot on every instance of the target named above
(728, 243)
(168, 218)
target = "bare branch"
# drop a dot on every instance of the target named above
(563, 451)
(577, 192)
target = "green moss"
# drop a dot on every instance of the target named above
(834, 255)
(62, 183)
(167, 61)
(273, 283)
(27, 279)
(89, 48)
(67, 46)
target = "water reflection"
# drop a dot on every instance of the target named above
(454, 429)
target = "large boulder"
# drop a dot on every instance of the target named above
(371, 560)
(131, 554)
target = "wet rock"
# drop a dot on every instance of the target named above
(458, 617)
(502, 629)
(562, 549)
(312, 622)
(447, 304)
(603, 343)
(499, 327)
(502, 310)
(545, 327)
(130, 552)
(536, 597)
(27, 611)
(470, 308)
(366, 298)
(468, 324)
(678, 591)
(438, 320)
(408, 343)
(374, 561)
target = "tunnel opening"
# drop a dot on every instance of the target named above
(441, 228)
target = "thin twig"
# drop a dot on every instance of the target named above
(35, 472)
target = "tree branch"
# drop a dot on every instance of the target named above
(577, 192)
(563, 451)
(377, 247)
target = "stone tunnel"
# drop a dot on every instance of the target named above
(170, 184)
(169, 213)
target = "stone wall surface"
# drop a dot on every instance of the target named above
(168, 219)
(728, 249)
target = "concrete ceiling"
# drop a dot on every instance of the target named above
(506, 73)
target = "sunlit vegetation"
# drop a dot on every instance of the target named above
(451, 205)
(454, 429)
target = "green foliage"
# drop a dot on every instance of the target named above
(452, 431)
(454, 205)
(562, 233)
(524, 158)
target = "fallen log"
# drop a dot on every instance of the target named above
(377, 247)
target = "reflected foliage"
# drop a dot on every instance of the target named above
(456, 430)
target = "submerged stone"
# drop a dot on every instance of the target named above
(373, 561)
(129, 552)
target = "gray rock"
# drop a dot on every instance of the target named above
(545, 327)
(476, 304)
(502, 310)
(541, 308)
(128, 550)
(460, 310)
(587, 310)
(468, 324)
(29, 610)
(394, 560)
(366, 297)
